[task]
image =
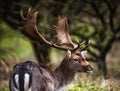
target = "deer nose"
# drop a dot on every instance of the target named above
(91, 67)
(88, 68)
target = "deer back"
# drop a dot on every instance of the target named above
(29, 76)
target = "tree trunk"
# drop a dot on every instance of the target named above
(37, 52)
(102, 66)
(41, 52)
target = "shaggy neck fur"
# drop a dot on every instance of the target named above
(64, 74)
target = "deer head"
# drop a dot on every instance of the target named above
(77, 62)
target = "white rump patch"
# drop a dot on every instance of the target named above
(26, 82)
(16, 77)
(29, 89)
(15, 89)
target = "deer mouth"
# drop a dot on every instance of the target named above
(88, 69)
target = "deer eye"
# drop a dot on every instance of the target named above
(76, 60)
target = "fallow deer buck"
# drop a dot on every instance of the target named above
(29, 76)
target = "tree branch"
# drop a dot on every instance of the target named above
(91, 59)
(97, 11)
(88, 13)
(108, 46)
(117, 38)
(118, 29)
(112, 10)
(96, 47)
(92, 53)
(108, 4)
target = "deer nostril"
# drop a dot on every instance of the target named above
(91, 68)
(88, 68)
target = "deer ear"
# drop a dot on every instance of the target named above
(68, 54)
(83, 53)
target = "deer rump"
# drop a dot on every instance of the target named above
(29, 76)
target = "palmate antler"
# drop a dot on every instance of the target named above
(63, 36)
(30, 29)
(63, 32)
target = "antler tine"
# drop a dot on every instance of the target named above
(87, 44)
(78, 45)
(28, 14)
(21, 14)
(30, 29)
(29, 11)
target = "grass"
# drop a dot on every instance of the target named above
(5, 89)
(98, 84)
(87, 87)
(13, 42)
(88, 84)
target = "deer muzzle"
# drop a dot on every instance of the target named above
(88, 68)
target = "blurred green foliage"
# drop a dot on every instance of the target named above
(13, 42)
(86, 87)
(4, 89)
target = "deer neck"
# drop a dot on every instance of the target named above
(64, 74)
